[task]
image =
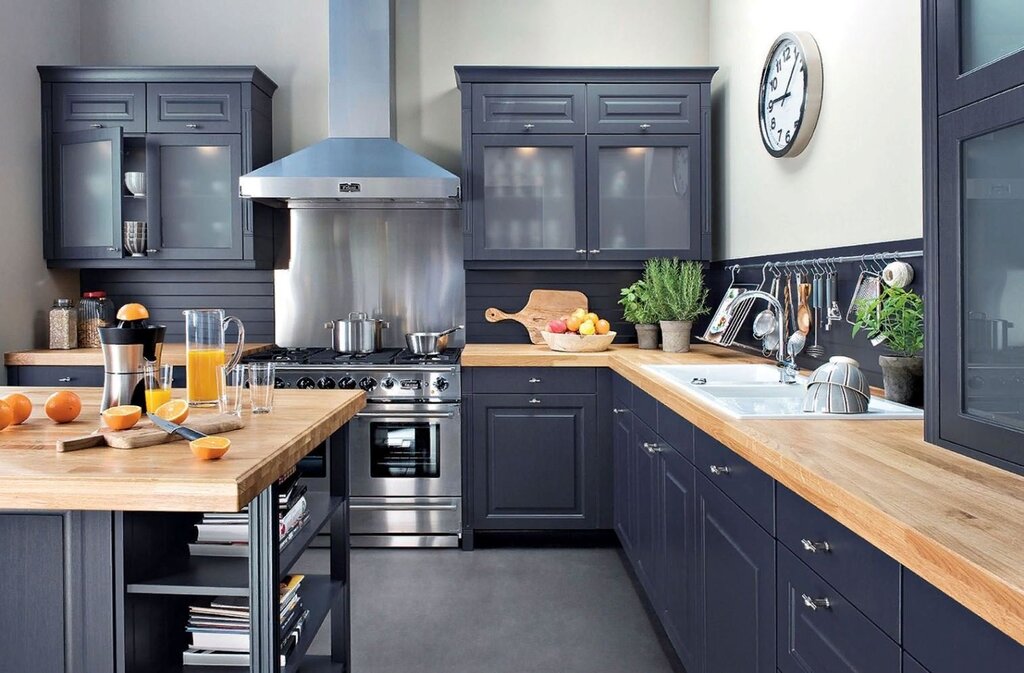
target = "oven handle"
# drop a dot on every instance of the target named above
(404, 414)
(403, 507)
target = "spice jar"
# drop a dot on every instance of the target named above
(94, 311)
(63, 325)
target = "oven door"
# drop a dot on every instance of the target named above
(406, 450)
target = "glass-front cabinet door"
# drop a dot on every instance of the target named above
(194, 210)
(87, 194)
(989, 53)
(644, 197)
(980, 277)
(528, 197)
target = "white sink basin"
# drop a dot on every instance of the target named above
(754, 391)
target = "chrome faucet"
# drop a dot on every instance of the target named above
(786, 360)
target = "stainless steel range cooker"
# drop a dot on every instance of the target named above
(404, 448)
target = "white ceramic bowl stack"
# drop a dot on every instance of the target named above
(838, 387)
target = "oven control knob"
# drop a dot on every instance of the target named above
(388, 383)
(368, 383)
(279, 382)
(441, 383)
(325, 383)
(305, 383)
(346, 383)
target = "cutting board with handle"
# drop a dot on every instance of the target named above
(146, 434)
(542, 307)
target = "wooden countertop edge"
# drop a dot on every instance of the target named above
(93, 357)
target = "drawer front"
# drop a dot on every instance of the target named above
(622, 392)
(832, 636)
(946, 637)
(752, 489)
(535, 380)
(83, 107)
(59, 377)
(643, 108)
(676, 430)
(528, 108)
(645, 407)
(195, 108)
(864, 575)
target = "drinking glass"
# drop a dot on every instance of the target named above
(158, 384)
(231, 380)
(261, 387)
(204, 348)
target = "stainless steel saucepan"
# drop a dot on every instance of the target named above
(429, 343)
(358, 334)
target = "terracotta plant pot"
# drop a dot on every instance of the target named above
(903, 379)
(675, 336)
(647, 337)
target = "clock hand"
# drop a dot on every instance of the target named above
(783, 96)
(789, 82)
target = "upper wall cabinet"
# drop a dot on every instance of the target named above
(585, 166)
(191, 132)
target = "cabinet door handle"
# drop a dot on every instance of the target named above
(644, 127)
(96, 126)
(718, 469)
(815, 603)
(620, 411)
(113, 250)
(815, 547)
(534, 401)
(534, 379)
(581, 251)
(594, 251)
(652, 448)
(527, 127)
(64, 379)
(191, 126)
(151, 250)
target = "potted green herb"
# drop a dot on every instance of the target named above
(677, 297)
(636, 308)
(896, 318)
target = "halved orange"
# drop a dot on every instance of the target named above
(210, 448)
(175, 411)
(131, 312)
(122, 417)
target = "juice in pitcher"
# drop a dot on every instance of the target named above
(204, 348)
(201, 374)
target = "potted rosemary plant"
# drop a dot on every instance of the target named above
(636, 308)
(678, 297)
(896, 318)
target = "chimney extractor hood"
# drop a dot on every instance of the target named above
(361, 162)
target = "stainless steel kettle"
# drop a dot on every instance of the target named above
(358, 334)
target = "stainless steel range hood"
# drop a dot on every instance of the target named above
(360, 163)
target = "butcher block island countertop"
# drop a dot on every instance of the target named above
(956, 522)
(166, 477)
(173, 354)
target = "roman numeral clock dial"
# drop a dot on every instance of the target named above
(790, 94)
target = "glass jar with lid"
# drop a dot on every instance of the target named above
(63, 325)
(94, 311)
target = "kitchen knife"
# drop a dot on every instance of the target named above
(174, 428)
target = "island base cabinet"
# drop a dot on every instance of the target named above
(736, 586)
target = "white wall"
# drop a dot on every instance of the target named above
(32, 32)
(859, 180)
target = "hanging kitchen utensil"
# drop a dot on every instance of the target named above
(868, 288)
(803, 314)
(815, 350)
(765, 321)
(832, 310)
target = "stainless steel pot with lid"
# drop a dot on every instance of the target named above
(358, 334)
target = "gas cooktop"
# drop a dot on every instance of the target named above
(326, 357)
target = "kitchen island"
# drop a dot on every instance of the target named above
(94, 564)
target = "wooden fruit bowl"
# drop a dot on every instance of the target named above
(578, 343)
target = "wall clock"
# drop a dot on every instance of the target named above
(790, 96)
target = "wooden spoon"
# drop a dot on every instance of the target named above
(803, 312)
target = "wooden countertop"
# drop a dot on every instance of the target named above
(173, 354)
(956, 522)
(165, 477)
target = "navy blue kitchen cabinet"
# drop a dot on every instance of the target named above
(645, 505)
(55, 377)
(570, 167)
(192, 131)
(735, 586)
(622, 473)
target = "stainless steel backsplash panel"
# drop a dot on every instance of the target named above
(400, 265)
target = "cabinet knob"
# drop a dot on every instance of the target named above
(533, 379)
(64, 379)
(620, 411)
(527, 127)
(815, 603)
(815, 547)
(644, 127)
(594, 252)
(718, 469)
(581, 251)
(191, 126)
(534, 401)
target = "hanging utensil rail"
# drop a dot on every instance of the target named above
(810, 261)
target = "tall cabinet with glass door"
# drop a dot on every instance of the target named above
(974, 180)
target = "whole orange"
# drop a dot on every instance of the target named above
(21, 405)
(603, 327)
(6, 415)
(63, 406)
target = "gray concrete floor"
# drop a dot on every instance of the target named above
(494, 610)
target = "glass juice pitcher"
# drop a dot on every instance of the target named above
(204, 352)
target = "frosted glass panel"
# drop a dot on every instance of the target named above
(87, 206)
(645, 197)
(993, 274)
(196, 197)
(989, 30)
(529, 198)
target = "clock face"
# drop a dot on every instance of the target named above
(790, 96)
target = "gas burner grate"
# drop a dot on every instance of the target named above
(449, 357)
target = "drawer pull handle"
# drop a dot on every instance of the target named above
(64, 379)
(581, 251)
(815, 547)
(96, 126)
(595, 251)
(815, 603)
(191, 126)
(644, 127)
(534, 401)
(113, 250)
(620, 411)
(652, 448)
(151, 250)
(719, 469)
(534, 379)
(527, 127)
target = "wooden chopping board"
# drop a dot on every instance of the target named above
(146, 434)
(542, 307)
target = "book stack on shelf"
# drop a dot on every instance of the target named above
(220, 630)
(227, 533)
